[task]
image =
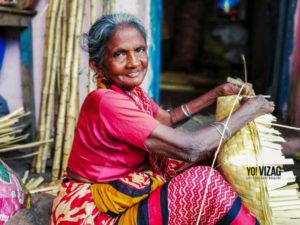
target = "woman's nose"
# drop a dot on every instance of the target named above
(133, 60)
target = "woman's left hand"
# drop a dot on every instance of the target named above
(233, 89)
(227, 89)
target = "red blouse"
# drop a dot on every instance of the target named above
(110, 135)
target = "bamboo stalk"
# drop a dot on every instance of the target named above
(91, 85)
(57, 153)
(60, 125)
(108, 6)
(50, 105)
(71, 117)
(47, 79)
(64, 36)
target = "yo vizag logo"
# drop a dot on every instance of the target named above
(264, 171)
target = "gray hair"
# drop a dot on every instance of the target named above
(103, 29)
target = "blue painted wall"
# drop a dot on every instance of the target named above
(155, 49)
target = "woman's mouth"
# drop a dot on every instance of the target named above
(134, 75)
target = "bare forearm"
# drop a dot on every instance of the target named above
(177, 115)
(211, 135)
(157, 146)
(192, 146)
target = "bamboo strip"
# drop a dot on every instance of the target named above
(281, 193)
(278, 199)
(13, 119)
(25, 177)
(289, 207)
(264, 129)
(9, 123)
(23, 156)
(71, 116)
(45, 189)
(290, 187)
(30, 145)
(282, 126)
(17, 139)
(286, 221)
(284, 203)
(5, 140)
(271, 145)
(6, 130)
(10, 133)
(285, 213)
(34, 182)
(11, 115)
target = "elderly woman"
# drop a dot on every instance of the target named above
(126, 164)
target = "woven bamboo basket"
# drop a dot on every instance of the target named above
(252, 147)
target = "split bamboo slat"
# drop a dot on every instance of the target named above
(257, 145)
(36, 185)
(10, 129)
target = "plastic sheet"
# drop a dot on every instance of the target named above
(12, 195)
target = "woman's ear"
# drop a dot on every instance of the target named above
(95, 67)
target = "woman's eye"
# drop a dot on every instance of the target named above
(118, 54)
(140, 50)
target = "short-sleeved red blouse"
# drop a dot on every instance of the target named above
(110, 135)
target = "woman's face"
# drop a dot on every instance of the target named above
(125, 59)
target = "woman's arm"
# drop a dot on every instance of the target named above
(193, 146)
(177, 115)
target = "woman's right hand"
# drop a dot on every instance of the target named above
(258, 105)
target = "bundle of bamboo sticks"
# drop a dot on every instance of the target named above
(60, 95)
(59, 101)
(11, 134)
(10, 128)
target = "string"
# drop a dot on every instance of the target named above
(245, 68)
(217, 152)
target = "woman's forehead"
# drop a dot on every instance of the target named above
(126, 36)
